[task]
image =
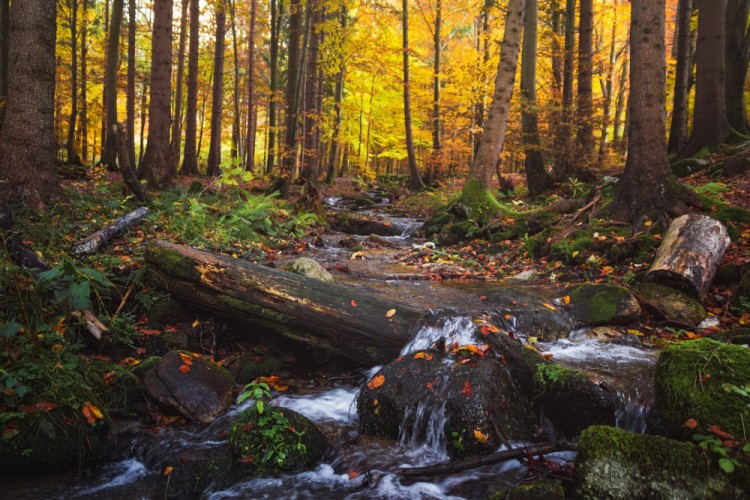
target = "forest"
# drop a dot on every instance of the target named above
(375, 248)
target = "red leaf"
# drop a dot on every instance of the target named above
(467, 389)
(354, 303)
(184, 368)
(691, 423)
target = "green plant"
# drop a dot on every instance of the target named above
(72, 286)
(550, 374)
(578, 189)
(458, 440)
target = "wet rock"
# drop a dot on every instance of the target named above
(739, 336)
(593, 304)
(735, 165)
(306, 266)
(197, 389)
(606, 334)
(468, 408)
(525, 275)
(276, 439)
(674, 305)
(359, 225)
(613, 463)
(688, 166)
(535, 489)
(690, 383)
(525, 313)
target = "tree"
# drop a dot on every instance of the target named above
(273, 69)
(251, 116)
(72, 155)
(177, 119)
(563, 167)
(585, 109)
(217, 98)
(678, 131)
(415, 179)
(27, 140)
(476, 195)
(710, 124)
(190, 158)
(737, 62)
(130, 91)
(157, 160)
(536, 176)
(109, 153)
(4, 44)
(645, 191)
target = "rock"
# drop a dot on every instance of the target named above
(252, 365)
(673, 304)
(690, 383)
(739, 336)
(535, 489)
(613, 463)
(358, 225)
(197, 389)
(593, 304)
(277, 439)
(525, 275)
(688, 166)
(168, 312)
(735, 165)
(524, 312)
(306, 266)
(605, 334)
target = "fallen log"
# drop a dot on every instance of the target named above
(95, 241)
(17, 250)
(328, 316)
(689, 254)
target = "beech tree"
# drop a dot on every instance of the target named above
(217, 99)
(585, 108)
(678, 131)
(190, 156)
(157, 166)
(27, 138)
(176, 140)
(109, 154)
(415, 179)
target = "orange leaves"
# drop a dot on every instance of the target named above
(423, 355)
(486, 329)
(376, 382)
(549, 306)
(92, 413)
(184, 368)
(354, 303)
(186, 358)
(391, 313)
(480, 436)
(566, 300)
(691, 424)
(467, 389)
(167, 470)
(40, 406)
(471, 349)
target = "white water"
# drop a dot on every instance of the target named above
(452, 330)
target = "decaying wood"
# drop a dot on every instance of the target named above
(17, 251)
(480, 461)
(689, 254)
(328, 316)
(126, 167)
(95, 241)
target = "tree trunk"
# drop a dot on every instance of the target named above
(72, 156)
(130, 92)
(27, 139)
(436, 143)
(415, 179)
(236, 132)
(644, 191)
(621, 101)
(4, 45)
(273, 69)
(710, 124)
(537, 178)
(157, 160)
(109, 153)
(678, 131)
(310, 159)
(126, 168)
(608, 87)
(327, 316)
(562, 167)
(84, 85)
(689, 254)
(251, 105)
(585, 111)
(476, 190)
(737, 61)
(190, 158)
(176, 140)
(217, 97)
(338, 97)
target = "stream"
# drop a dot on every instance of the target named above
(360, 466)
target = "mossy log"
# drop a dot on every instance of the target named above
(690, 254)
(327, 316)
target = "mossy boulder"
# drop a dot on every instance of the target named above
(739, 336)
(276, 439)
(593, 304)
(306, 266)
(525, 312)
(690, 384)
(251, 366)
(535, 489)
(673, 304)
(688, 166)
(613, 463)
(456, 232)
(50, 441)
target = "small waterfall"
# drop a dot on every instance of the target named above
(436, 328)
(633, 414)
(423, 427)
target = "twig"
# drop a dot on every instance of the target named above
(124, 300)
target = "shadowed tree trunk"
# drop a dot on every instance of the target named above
(251, 116)
(109, 152)
(678, 131)
(130, 92)
(537, 178)
(157, 160)
(621, 101)
(27, 138)
(176, 140)
(737, 62)
(72, 155)
(84, 85)
(338, 95)
(190, 158)
(644, 191)
(415, 179)
(217, 98)
(585, 109)
(236, 140)
(476, 195)
(4, 32)
(273, 70)
(710, 124)
(563, 167)
(294, 63)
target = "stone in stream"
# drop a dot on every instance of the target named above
(673, 304)
(197, 389)
(594, 304)
(613, 463)
(305, 266)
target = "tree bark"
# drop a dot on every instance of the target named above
(678, 131)
(562, 168)
(176, 140)
(236, 132)
(27, 139)
(95, 241)
(84, 85)
(273, 70)
(217, 97)
(72, 155)
(126, 167)
(130, 91)
(327, 316)
(415, 179)
(338, 97)
(710, 124)
(190, 158)
(537, 178)
(585, 109)
(4, 44)
(251, 105)
(436, 123)
(109, 153)
(157, 160)
(689, 254)
(737, 62)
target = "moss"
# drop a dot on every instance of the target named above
(672, 304)
(689, 383)
(173, 263)
(478, 202)
(536, 489)
(613, 463)
(598, 304)
(141, 369)
(536, 246)
(252, 366)
(452, 234)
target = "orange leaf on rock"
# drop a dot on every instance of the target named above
(376, 382)
(719, 433)
(423, 355)
(480, 436)
(549, 306)
(167, 470)
(184, 368)
(354, 303)
(691, 423)
(566, 300)
(391, 313)
(467, 389)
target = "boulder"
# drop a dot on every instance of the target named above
(605, 334)
(535, 489)
(691, 382)
(306, 266)
(593, 304)
(276, 439)
(735, 165)
(673, 304)
(197, 389)
(613, 463)
(528, 314)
